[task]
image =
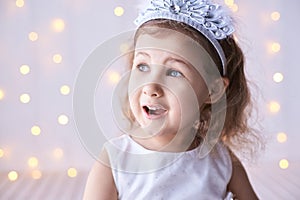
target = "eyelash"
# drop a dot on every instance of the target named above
(146, 68)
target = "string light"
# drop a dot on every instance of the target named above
(1, 94)
(1, 153)
(25, 98)
(63, 119)
(36, 130)
(278, 77)
(58, 25)
(32, 162)
(114, 77)
(57, 58)
(33, 36)
(275, 47)
(229, 2)
(36, 174)
(275, 16)
(281, 137)
(72, 172)
(20, 3)
(24, 69)
(274, 107)
(12, 175)
(119, 11)
(64, 90)
(283, 163)
(58, 153)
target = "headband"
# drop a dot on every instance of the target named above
(208, 18)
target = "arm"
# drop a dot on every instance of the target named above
(100, 183)
(239, 183)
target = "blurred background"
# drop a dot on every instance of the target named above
(43, 45)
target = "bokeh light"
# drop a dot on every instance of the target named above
(274, 107)
(12, 175)
(114, 77)
(65, 90)
(119, 11)
(36, 174)
(275, 16)
(229, 2)
(33, 36)
(58, 153)
(25, 98)
(275, 47)
(1, 153)
(72, 172)
(281, 137)
(35, 130)
(24, 69)
(33, 162)
(283, 163)
(58, 25)
(57, 58)
(63, 119)
(234, 7)
(20, 3)
(278, 77)
(1, 94)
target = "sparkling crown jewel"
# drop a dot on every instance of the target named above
(208, 18)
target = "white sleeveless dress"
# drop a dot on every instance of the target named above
(142, 174)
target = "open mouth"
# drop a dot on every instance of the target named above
(154, 111)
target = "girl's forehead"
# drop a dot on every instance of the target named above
(178, 45)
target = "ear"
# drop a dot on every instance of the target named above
(217, 90)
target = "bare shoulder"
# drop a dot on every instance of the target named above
(100, 183)
(239, 183)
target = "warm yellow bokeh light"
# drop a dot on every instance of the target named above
(1, 94)
(20, 3)
(229, 2)
(119, 11)
(24, 98)
(1, 153)
(57, 58)
(58, 153)
(36, 130)
(65, 90)
(283, 163)
(24, 69)
(72, 172)
(12, 175)
(234, 7)
(114, 77)
(274, 107)
(278, 77)
(275, 47)
(63, 119)
(58, 25)
(281, 137)
(36, 174)
(33, 36)
(33, 162)
(275, 16)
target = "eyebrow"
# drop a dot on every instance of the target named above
(168, 59)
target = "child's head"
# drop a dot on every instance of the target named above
(161, 27)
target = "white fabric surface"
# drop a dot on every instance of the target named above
(140, 175)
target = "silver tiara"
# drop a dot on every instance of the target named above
(208, 18)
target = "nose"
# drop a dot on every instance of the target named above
(153, 90)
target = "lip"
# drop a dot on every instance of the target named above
(163, 111)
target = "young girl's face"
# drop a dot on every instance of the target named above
(165, 90)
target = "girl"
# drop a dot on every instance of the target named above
(187, 100)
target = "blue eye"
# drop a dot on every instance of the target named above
(143, 67)
(174, 73)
